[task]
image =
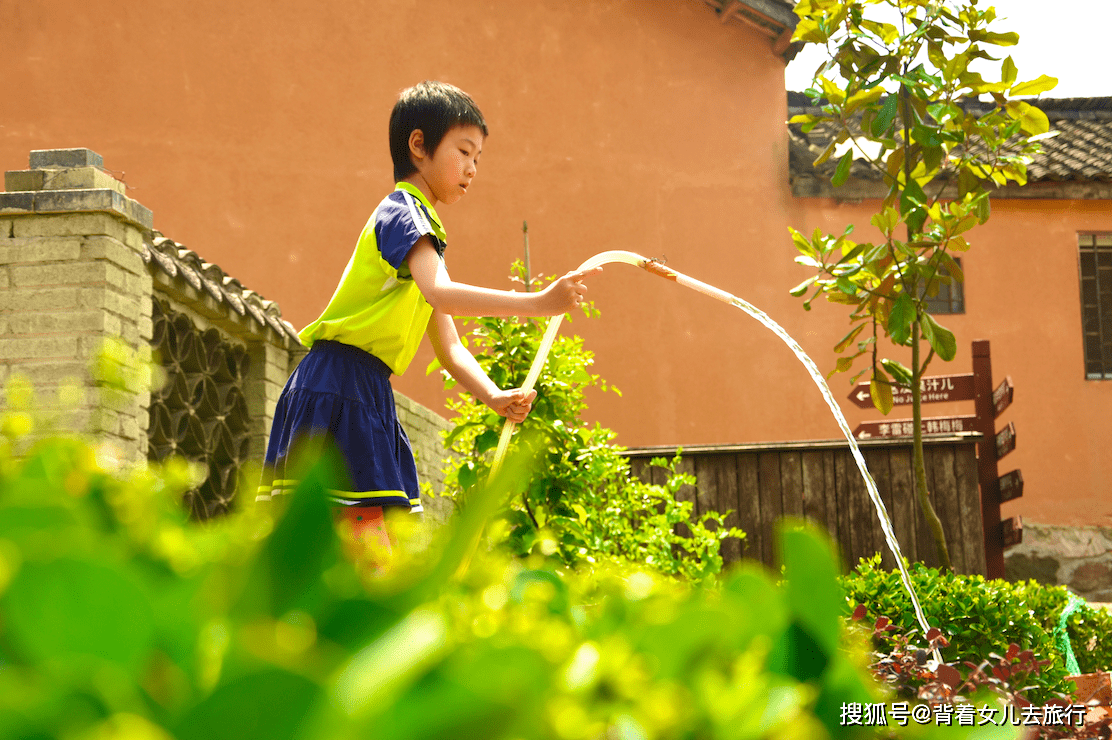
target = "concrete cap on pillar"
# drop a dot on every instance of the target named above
(51, 158)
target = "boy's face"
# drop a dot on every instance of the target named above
(445, 175)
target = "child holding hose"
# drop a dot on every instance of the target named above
(394, 290)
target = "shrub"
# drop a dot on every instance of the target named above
(580, 497)
(121, 618)
(1089, 629)
(979, 617)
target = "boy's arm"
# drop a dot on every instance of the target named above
(460, 299)
(462, 365)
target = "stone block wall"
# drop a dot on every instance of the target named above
(80, 263)
(71, 276)
(1077, 557)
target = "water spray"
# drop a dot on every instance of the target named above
(659, 269)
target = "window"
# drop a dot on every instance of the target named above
(951, 294)
(1095, 263)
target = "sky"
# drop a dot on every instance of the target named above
(1062, 39)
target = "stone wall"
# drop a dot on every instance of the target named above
(1077, 557)
(80, 263)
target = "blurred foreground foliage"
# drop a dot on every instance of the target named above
(581, 503)
(121, 619)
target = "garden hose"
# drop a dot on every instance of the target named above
(1062, 636)
(658, 268)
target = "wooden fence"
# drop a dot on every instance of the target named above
(761, 483)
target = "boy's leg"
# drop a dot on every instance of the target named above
(366, 537)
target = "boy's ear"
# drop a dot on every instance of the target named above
(417, 144)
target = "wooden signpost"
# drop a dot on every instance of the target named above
(988, 403)
(1011, 486)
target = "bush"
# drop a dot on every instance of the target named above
(120, 618)
(580, 499)
(979, 617)
(1089, 629)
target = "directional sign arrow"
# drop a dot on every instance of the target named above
(934, 389)
(1011, 486)
(905, 427)
(1002, 396)
(1005, 440)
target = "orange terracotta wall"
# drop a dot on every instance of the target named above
(256, 132)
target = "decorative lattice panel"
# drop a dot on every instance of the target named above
(200, 412)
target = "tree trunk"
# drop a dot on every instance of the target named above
(918, 457)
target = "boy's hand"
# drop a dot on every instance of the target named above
(513, 404)
(569, 291)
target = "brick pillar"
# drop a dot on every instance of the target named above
(71, 276)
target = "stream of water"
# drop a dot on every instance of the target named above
(661, 270)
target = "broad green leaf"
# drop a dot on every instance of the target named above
(841, 172)
(848, 338)
(885, 116)
(881, 392)
(939, 337)
(802, 288)
(487, 440)
(1008, 73)
(826, 153)
(809, 31)
(65, 609)
(997, 39)
(1036, 86)
(833, 93)
(810, 578)
(271, 705)
(901, 374)
(958, 244)
(802, 243)
(1033, 120)
(900, 318)
(911, 206)
(864, 97)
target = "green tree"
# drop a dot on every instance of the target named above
(579, 502)
(899, 93)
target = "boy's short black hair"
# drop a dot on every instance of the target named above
(433, 107)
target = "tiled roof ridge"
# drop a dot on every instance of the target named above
(1074, 108)
(1081, 152)
(177, 261)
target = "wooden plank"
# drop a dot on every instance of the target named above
(843, 468)
(639, 468)
(791, 486)
(749, 503)
(830, 503)
(880, 468)
(771, 506)
(860, 513)
(718, 491)
(814, 485)
(945, 495)
(902, 482)
(969, 504)
(928, 552)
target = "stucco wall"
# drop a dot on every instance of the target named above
(258, 129)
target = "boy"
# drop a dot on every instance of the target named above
(395, 289)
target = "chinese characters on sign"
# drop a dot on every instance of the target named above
(936, 389)
(905, 427)
(969, 715)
